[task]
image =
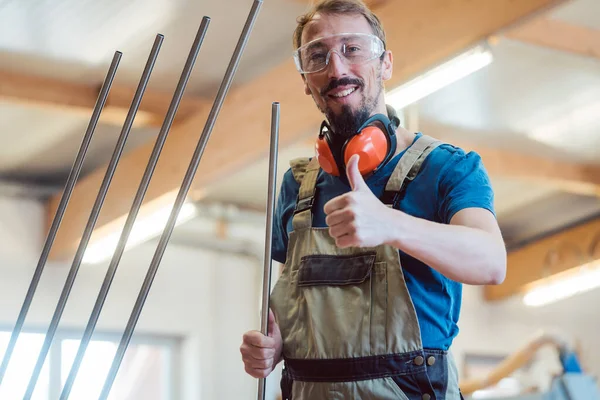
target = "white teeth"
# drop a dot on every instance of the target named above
(344, 93)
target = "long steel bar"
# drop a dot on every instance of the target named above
(60, 211)
(137, 203)
(91, 325)
(93, 218)
(180, 199)
(268, 263)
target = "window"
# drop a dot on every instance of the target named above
(146, 372)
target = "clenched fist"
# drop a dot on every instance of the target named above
(261, 353)
(358, 218)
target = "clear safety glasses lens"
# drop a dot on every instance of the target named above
(354, 48)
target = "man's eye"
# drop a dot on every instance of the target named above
(317, 57)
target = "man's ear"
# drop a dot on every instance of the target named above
(306, 88)
(387, 65)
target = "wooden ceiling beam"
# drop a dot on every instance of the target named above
(558, 35)
(68, 97)
(578, 178)
(547, 258)
(421, 33)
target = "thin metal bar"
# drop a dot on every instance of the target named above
(60, 211)
(87, 233)
(68, 386)
(268, 262)
(137, 203)
(180, 199)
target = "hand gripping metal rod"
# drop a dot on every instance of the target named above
(180, 199)
(268, 263)
(93, 218)
(136, 205)
(60, 211)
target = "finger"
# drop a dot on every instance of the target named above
(255, 353)
(346, 241)
(354, 176)
(257, 373)
(257, 339)
(259, 364)
(339, 230)
(338, 203)
(271, 324)
(339, 217)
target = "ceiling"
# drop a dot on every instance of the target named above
(531, 99)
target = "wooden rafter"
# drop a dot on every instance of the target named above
(555, 254)
(36, 91)
(558, 35)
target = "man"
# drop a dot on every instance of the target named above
(375, 255)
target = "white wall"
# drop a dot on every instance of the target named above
(210, 299)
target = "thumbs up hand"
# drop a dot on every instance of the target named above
(358, 218)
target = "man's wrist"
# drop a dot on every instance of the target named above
(397, 228)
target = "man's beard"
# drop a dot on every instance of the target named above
(345, 124)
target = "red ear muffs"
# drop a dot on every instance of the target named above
(325, 156)
(374, 146)
(371, 144)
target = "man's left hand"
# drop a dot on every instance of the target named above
(357, 218)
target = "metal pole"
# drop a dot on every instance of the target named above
(180, 199)
(131, 216)
(87, 233)
(266, 290)
(93, 217)
(136, 205)
(60, 211)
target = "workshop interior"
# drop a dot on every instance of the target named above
(144, 143)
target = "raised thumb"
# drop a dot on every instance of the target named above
(272, 325)
(354, 176)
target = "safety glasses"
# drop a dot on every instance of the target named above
(353, 48)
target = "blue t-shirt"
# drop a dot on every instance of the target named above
(449, 181)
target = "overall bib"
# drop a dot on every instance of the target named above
(349, 327)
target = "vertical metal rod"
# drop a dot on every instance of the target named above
(268, 263)
(124, 236)
(60, 211)
(180, 199)
(87, 233)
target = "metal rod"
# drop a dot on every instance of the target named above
(180, 199)
(137, 203)
(68, 386)
(268, 262)
(87, 233)
(60, 211)
(91, 223)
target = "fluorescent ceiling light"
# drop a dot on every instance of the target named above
(439, 77)
(144, 229)
(562, 286)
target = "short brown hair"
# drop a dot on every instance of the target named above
(339, 7)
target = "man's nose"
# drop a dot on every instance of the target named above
(336, 66)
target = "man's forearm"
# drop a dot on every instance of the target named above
(461, 253)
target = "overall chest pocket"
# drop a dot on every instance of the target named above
(335, 301)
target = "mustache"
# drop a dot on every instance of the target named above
(341, 82)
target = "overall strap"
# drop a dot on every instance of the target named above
(305, 172)
(408, 167)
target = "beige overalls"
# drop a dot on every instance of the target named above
(349, 327)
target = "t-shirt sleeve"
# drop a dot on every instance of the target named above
(464, 183)
(284, 209)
